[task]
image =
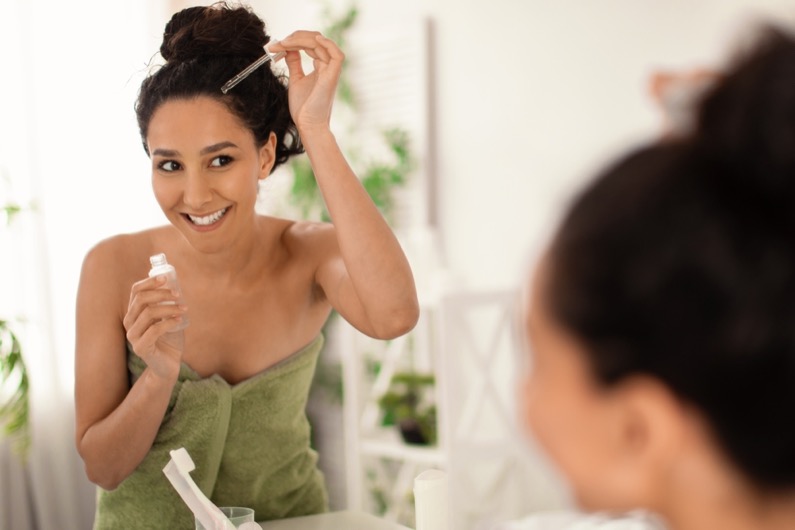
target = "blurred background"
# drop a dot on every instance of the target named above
(474, 123)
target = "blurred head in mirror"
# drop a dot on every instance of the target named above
(661, 319)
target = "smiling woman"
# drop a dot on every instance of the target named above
(231, 388)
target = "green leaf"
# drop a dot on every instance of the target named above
(378, 177)
(305, 193)
(11, 210)
(14, 386)
(336, 27)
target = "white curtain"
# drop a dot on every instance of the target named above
(70, 155)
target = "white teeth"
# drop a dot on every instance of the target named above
(208, 219)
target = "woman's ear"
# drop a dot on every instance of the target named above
(267, 156)
(652, 425)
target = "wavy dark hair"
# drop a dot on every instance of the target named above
(678, 261)
(204, 47)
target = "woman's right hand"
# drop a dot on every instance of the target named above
(152, 313)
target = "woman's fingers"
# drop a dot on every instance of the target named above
(161, 351)
(151, 315)
(153, 343)
(319, 52)
(311, 94)
(152, 307)
(330, 47)
(153, 312)
(141, 300)
(156, 283)
(297, 40)
(294, 66)
(313, 43)
(158, 329)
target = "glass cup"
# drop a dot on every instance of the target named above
(237, 514)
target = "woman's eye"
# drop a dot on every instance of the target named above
(168, 165)
(220, 161)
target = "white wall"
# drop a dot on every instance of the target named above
(91, 171)
(532, 96)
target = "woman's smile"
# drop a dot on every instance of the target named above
(207, 222)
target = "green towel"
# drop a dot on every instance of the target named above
(250, 443)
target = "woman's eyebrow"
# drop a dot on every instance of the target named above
(216, 147)
(206, 150)
(165, 152)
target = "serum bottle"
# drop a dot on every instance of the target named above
(161, 267)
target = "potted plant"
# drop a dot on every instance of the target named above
(13, 374)
(408, 406)
(13, 389)
(380, 177)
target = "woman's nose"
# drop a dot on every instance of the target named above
(197, 191)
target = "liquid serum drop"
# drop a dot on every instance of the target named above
(161, 267)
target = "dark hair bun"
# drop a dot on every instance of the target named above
(748, 120)
(220, 29)
(204, 47)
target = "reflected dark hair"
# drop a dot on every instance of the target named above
(678, 261)
(204, 47)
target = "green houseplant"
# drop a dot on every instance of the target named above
(408, 406)
(14, 388)
(380, 177)
(14, 384)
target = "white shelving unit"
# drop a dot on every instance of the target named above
(468, 341)
(380, 466)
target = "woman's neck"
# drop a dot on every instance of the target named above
(770, 516)
(712, 497)
(247, 255)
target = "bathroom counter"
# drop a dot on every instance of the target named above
(346, 520)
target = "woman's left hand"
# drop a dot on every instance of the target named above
(311, 95)
(361, 268)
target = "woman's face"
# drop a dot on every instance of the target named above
(205, 169)
(577, 421)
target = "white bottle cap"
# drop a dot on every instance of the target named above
(158, 260)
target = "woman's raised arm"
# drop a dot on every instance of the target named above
(363, 271)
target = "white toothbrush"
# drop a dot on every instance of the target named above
(178, 472)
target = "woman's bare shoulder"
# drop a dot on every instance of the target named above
(122, 254)
(308, 235)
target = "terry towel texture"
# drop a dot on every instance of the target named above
(250, 443)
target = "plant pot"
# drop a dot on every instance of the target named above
(411, 432)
